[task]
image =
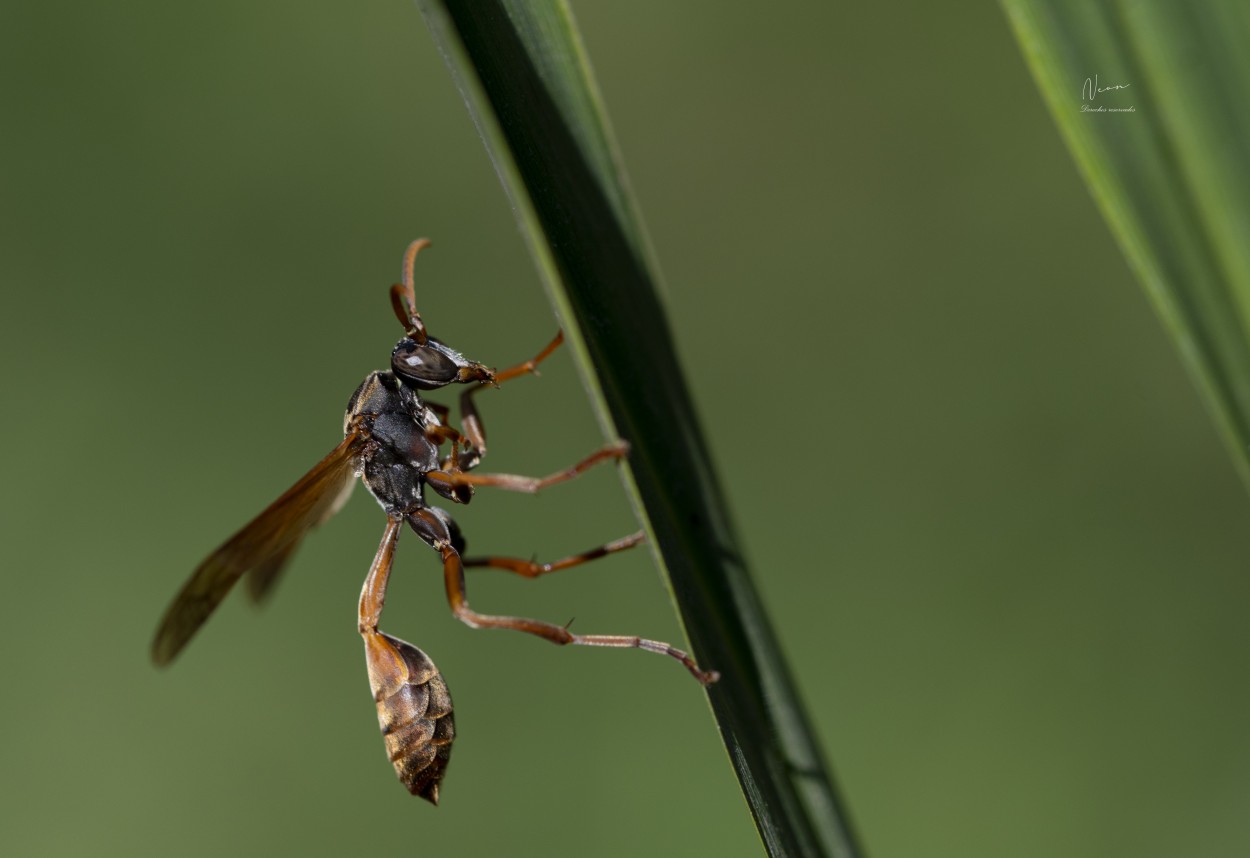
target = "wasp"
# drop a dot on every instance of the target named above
(399, 445)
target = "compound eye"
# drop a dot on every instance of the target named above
(423, 366)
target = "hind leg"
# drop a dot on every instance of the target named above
(433, 530)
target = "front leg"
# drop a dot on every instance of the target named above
(471, 421)
(468, 445)
(454, 463)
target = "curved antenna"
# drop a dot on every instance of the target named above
(403, 295)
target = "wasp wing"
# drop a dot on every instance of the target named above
(264, 577)
(263, 544)
(261, 580)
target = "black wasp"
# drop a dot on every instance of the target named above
(399, 444)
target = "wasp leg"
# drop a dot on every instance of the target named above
(469, 418)
(445, 481)
(373, 595)
(413, 705)
(441, 411)
(455, 463)
(433, 530)
(532, 568)
(439, 434)
(468, 444)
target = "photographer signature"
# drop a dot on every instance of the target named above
(1091, 89)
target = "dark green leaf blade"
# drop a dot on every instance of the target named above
(525, 79)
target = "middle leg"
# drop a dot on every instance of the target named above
(445, 481)
(532, 568)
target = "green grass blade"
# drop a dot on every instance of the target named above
(524, 76)
(1172, 177)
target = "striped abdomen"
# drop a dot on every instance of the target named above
(414, 712)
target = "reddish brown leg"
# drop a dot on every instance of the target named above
(453, 577)
(442, 411)
(471, 422)
(455, 461)
(373, 595)
(439, 434)
(532, 569)
(414, 708)
(443, 481)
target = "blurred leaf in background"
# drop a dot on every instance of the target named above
(1161, 130)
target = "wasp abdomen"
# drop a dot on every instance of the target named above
(414, 712)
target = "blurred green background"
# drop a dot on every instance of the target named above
(1000, 539)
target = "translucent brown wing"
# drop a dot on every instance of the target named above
(262, 579)
(264, 545)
